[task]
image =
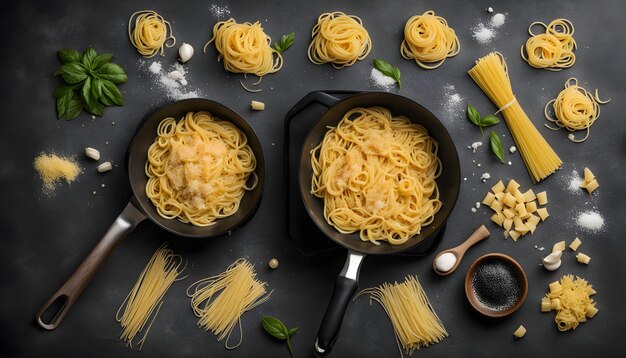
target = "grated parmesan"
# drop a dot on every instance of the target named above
(52, 169)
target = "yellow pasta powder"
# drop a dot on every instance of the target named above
(52, 168)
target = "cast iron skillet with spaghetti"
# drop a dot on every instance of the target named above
(140, 207)
(448, 183)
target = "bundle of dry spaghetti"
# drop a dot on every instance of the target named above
(575, 109)
(413, 318)
(156, 278)
(491, 75)
(150, 33)
(339, 39)
(429, 40)
(237, 291)
(552, 50)
(245, 48)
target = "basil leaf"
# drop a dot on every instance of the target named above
(274, 327)
(112, 72)
(289, 346)
(489, 120)
(496, 146)
(285, 42)
(67, 55)
(62, 91)
(111, 92)
(72, 73)
(88, 57)
(74, 107)
(63, 102)
(85, 93)
(388, 69)
(473, 115)
(96, 88)
(101, 60)
(291, 331)
(95, 108)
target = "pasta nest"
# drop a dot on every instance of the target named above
(429, 40)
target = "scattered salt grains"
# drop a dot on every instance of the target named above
(380, 80)
(173, 81)
(540, 248)
(484, 33)
(452, 101)
(477, 205)
(498, 20)
(513, 149)
(485, 177)
(573, 183)
(590, 220)
(219, 12)
(473, 209)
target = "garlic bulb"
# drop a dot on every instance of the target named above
(185, 52)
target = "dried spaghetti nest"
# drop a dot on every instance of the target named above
(552, 50)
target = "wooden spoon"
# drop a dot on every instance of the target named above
(479, 235)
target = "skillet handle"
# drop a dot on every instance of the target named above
(66, 295)
(326, 99)
(347, 283)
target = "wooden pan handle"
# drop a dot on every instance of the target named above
(67, 294)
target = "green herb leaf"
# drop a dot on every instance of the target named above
(277, 329)
(496, 146)
(88, 57)
(96, 88)
(110, 91)
(72, 73)
(112, 72)
(489, 120)
(62, 91)
(101, 60)
(474, 117)
(67, 55)
(285, 42)
(95, 108)
(388, 69)
(85, 93)
(74, 107)
(63, 100)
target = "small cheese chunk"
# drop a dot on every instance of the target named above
(520, 332)
(592, 186)
(489, 198)
(575, 244)
(543, 213)
(591, 311)
(542, 198)
(257, 106)
(509, 200)
(529, 195)
(559, 246)
(582, 258)
(498, 188)
(531, 206)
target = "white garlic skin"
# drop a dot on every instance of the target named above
(185, 52)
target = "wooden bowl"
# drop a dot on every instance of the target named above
(521, 279)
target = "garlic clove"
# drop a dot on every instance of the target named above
(185, 52)
(553, 258)
(552, 267)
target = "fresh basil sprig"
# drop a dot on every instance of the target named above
(496, 145)
(277, 329)
(285, 42)
(481, 122)
(388, 69)
(90, 83)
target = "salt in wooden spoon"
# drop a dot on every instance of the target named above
(479, 235)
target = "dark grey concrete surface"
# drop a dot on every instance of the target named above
(45, 238)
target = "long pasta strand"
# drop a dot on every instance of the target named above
(413, 318)
(156, 278)
(220, 301)
(491, 75)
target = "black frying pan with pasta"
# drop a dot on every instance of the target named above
(140, 207)
(448, 184)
